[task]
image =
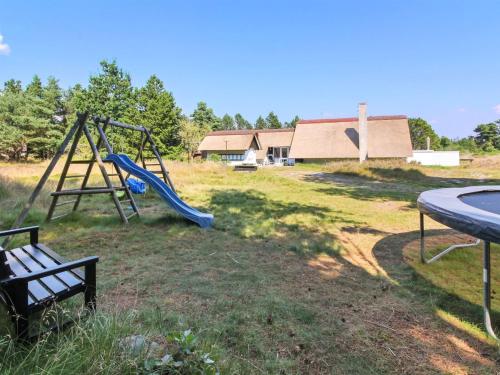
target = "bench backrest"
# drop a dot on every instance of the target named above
(5, 270)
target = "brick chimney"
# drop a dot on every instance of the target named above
(362, 132)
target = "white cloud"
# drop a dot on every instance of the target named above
(461, 109)
(4, 47)
(497, 108)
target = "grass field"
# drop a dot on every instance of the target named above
(311, 269)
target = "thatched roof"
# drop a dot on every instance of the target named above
(238, 140)
(282, 138)
(229, 142)
(388, 137)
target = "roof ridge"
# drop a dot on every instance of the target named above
(250, 131)
(352, 119)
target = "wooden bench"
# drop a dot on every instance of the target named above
(32, 277)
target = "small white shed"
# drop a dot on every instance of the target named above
(431, 157)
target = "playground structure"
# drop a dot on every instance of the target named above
(79, 130)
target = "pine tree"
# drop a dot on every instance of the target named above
(110, 93)
(293, 123)
(75, 101)
(29, 117)
(260, 123)
(35, 87)
(204, 116)
(158, 112)
(12, 140)
(272, 121)
(227, 122)
(241, 123)
(52, 96)
(12, 86)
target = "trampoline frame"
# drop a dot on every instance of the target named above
(486, 271)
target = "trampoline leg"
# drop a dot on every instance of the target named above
(442, 253)
(422, 239)
(487, 289)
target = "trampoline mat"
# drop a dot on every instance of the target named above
(483, 200)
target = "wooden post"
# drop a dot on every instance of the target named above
(100, 163)
(90, 286)
(129, 195)
(65, 169)
(90, 167)
(81, 118)
(164, 171)
(19, 295)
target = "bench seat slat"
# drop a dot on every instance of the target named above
(36, 289)
(59, 259)
(67, 276)
(54, 285)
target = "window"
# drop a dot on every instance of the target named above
(276, 152)
(284, 152)
(232, 157)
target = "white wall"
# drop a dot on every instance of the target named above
(430, 157)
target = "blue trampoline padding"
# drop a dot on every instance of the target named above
(136, 186)
(124, 162)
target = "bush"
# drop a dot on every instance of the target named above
(215, 158)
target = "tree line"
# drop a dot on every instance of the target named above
(35, 118)
(486, 137)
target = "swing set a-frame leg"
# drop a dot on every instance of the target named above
(80, 121)
(107, 180)
(89, 168)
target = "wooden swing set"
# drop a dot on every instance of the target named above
(81, 129)
(33, 276)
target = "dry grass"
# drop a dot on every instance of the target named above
(304, 271)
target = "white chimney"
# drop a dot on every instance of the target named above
(362, 132)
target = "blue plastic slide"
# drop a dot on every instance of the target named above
(125, 163)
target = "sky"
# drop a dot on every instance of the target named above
(435, 59)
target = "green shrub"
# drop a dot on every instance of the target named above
(184, 357)
(215, 158)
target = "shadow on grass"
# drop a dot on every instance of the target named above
(396, 184)
(415, 175)
(251, 214)
(389, 254)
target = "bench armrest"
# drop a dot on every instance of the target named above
(32, 230)
(50, 271)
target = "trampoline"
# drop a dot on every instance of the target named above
(473, 210)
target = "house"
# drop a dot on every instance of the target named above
(358, 138)
(231, 145)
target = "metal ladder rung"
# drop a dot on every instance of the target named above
(146, 164)
(75, 175)
(65, 203)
